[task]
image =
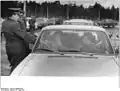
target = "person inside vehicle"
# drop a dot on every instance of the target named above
(89, 44)
(17, 40)
(57, 44)
(52, 40)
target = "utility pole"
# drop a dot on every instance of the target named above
(68, 10)
(36, 10)
(115, 15)
(67, 13)
(99, 13)
(47, 12)
(24, 8)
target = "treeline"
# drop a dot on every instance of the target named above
(56, 9)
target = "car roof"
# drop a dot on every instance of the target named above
(78, 20)
(73, 27)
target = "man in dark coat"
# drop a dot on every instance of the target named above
(17, 40)
(32, 24)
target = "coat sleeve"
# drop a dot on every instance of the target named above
(24, 35)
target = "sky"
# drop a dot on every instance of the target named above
(105, 3)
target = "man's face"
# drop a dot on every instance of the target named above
(15, 16)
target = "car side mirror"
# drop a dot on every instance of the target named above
(110, 35)
(116, 51)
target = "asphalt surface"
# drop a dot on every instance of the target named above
(5, 69)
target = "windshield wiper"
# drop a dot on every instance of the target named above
(84, 53)
(70, 50)
(55, 51)
(63, 52)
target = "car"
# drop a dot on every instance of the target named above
(71, 50)
(79, 22)
(41, 22)
(52, 21)
(107, 23)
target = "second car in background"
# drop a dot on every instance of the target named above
(79, 22)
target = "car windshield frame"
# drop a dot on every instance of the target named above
(108, 41)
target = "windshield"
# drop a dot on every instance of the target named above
(74, 41)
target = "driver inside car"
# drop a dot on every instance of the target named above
(89, 43)
(52, 40)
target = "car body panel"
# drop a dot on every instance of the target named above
(67, 65)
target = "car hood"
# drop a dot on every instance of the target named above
(67, 65)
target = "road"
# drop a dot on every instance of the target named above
(5, 69)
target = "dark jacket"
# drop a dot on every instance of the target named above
(32, 25)
(17, 40)
(32, 22)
